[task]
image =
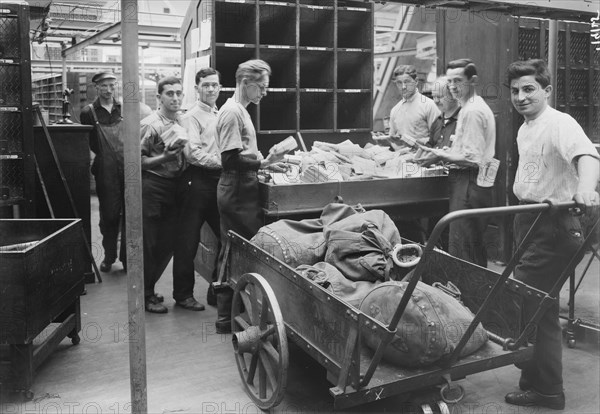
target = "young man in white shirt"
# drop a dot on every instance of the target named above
(557, 163)
(473, 145)
(199, 195)
(415, 114)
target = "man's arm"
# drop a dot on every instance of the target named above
(588, 170)
(193, 151)
(148, 141)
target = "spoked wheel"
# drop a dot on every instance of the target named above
(259, 340)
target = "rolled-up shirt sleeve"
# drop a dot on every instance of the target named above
(147, 143)
(229, 132)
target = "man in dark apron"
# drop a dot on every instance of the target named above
(107, 144)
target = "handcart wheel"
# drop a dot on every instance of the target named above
(259, 340)
(443, 407)
(452, 393)
(75, 339)
(426, 409)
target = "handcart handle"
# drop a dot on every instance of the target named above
(427, 251)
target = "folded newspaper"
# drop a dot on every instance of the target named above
(175, 137)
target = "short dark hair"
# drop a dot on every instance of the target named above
(470, 68)
(167, 80)
(535, 67)
(204, 72)
(409, 70)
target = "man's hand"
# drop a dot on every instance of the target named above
(170, 154)
(587, 199)
(279, 167)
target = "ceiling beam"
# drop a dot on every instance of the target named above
(115, 28)
(396, 53)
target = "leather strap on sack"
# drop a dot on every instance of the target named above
(449, 289)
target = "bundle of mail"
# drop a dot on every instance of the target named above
(347, 161)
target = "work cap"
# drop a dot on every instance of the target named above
(99, 77)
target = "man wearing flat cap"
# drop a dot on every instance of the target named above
(107, 143)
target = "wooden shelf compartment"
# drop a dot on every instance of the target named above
(317, 27)
(236, 22)
(11, 132)
(283, 66)
(278, 112)
(277, 24)
(354, 110)
(355, 28)
(316, 110)
(360, 77)
(317, 69)
(227, 59)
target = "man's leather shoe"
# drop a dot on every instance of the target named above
(532, 398)
(160, 298)
(190, 304)
(105, 267)
(153, 305)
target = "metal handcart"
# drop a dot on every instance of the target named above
(273, 303)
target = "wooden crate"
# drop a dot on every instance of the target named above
(39, 282)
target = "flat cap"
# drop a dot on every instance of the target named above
(99, 77)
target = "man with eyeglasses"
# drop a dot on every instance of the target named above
(237, 193)
(199, 181)
(106, 142)
(163, 162)
(415, 114)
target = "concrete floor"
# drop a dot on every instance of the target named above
(191, 369)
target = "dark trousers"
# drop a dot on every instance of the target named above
(553, 244)
(160, 197)
(110, 190)
(198, 205)
(239, 207)
(466, 235)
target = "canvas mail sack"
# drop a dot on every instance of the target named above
(361, 245)
(301, 242)
(429, 329)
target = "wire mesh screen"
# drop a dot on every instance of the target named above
(11, 131)
(9, 38)
(10, 85)
(596, 87)
(11, 178)
(579, 89)
(562, 46)
(529, 43)
(595, 132)
(580, 48)
(580, 113)
(560, 85)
